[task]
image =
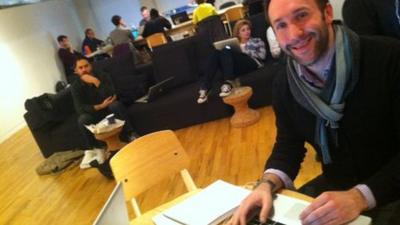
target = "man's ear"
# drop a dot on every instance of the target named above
(328, 13)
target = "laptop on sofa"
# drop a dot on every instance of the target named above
(155, 91)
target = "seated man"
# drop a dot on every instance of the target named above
(144, 12)
(121, 34)
(156, 24)
(341, 95)
(91, 44)
(67, 56)
(94, 98)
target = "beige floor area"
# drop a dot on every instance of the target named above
(217, 151)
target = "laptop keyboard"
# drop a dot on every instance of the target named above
(255, 221)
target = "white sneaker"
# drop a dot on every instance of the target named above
(226, 89)
(90, 155)
(203, 96)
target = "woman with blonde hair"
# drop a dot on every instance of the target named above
(231, 62)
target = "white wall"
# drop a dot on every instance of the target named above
(337, 8)
(28, 62)
(164, 5)
(103, 10)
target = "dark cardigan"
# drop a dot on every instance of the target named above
(369, 133)
(372, 17)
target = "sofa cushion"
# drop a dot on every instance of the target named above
(177, 59)
(176, 109)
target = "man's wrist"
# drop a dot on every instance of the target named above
(360, 199)
(268, 182)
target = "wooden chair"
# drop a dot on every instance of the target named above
(156, 40)
(233, 14)
(148, 160)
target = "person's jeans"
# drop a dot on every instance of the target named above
(384, 215)
(120, 112)
(231, 63)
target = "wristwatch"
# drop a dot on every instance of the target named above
(271, 184)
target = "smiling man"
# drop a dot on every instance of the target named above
(341, 94)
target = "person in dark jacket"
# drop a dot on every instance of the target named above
(341, 95)
(67, 55)
(91, 44)
(156, 24)
(94, 98)
(371, 17)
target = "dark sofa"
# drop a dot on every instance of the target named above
(176, 108)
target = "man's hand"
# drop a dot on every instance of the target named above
(105, 103)
(261, 197)
(89, 79)
(334, 208)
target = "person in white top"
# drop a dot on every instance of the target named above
(273, 43)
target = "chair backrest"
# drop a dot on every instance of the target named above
(156, 40)
(122, 50)
(226, 5)
(148, 160)
(234, 13)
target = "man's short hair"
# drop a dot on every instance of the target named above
(321, 5)
(143, 8)
(154, 13)
(77, 59)
(116, 20)
(200, 1)
(61, 38)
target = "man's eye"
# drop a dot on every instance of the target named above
(302, 15)
(280, 26)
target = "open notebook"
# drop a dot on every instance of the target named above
(208, 207)
(218, 201)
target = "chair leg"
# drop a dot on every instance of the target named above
(187, 179)
(135, 207)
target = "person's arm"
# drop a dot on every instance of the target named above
(382, 187)
(286, 157)
(130, 35)
(77, 96)
(166, 23)
(361, 17)
(195, 20)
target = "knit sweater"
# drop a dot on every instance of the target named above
(368, 151)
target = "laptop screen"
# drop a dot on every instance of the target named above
(114, 211)
(180, 17)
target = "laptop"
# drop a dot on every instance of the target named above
(155, 91)
(286, 211)
(114, 211)
(231, 43)
(180, 17)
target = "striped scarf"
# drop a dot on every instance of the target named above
(328, 104)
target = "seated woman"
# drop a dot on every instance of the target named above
(231, 62)
(156, 24)
(202, 11)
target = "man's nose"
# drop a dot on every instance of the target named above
(295, 32)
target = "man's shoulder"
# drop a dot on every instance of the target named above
(380, 42)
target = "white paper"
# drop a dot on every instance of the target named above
(209, 206)
(104, 126)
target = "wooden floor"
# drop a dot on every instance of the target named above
(217, 151)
